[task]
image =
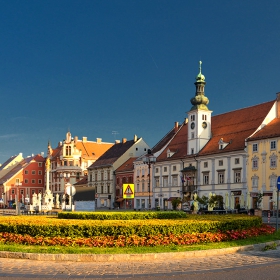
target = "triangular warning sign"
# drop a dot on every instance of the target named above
(128, 190)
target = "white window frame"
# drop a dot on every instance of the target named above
(255, 147)
(221, 177)
(206, 179)
(273, 145)
(175, 181)
(237, 176)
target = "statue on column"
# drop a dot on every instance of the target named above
(57, 200)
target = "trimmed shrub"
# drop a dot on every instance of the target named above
(122, 215)
(44, 226)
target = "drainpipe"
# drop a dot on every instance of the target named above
(196, 177)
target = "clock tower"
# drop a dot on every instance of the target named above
(199, 117)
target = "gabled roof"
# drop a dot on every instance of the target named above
(92, 150)
(271, 130)
(89, 149)
(127, 166)
(164, 141)
(82, 182)
(178, 144)
(20, 166)
(7, 162)
(112, 155)
(234, 127)
(56, 152)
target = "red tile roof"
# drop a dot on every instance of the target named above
(82, 182)
(127, 166)
(271, 130)
(89, 149)
(178, 144)
(164, 140)
(234, 127)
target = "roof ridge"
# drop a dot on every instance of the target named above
(244, 108)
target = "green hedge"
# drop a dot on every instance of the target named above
(122, 215)
(82, 228)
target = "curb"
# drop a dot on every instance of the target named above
(134, 257)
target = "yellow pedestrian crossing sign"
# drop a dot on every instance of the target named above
(128, 190)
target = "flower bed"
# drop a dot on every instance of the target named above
(136, 241)
(51, 227)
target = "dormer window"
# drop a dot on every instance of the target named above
(170, 153)
(222, 144)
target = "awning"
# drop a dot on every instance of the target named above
(119, 200)
(171, 198)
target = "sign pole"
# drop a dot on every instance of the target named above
(277, 207)
(277, 214)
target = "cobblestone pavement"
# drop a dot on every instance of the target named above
(28, 269)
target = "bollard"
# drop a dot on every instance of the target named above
(268, 217)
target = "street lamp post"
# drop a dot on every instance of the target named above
(149, 159)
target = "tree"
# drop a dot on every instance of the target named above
(259, 200)
(204, 200)
(216, 201)
(175, 203)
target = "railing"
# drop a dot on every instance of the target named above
(189, 188)
(4, 212)
(64, 168)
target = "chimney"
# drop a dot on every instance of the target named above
(186, 120)
(176, 126)
(84, 139)
(124, 140)
(98, 140)
(117, 141)
(135, 138)
(75, 139)
(278, 104)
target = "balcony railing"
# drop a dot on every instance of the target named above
(189, 188)
(68, 168)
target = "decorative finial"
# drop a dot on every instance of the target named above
(200, 62)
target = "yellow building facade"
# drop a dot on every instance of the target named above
(263, 162)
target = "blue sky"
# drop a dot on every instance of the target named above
(128, 66)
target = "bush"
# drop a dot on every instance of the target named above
(43, 226)
(122, 215)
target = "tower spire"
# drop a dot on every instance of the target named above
(200, 101)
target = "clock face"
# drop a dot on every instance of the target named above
(192, 125)
(204, 124)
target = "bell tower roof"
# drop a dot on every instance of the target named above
(200, 101)
(200, 77)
